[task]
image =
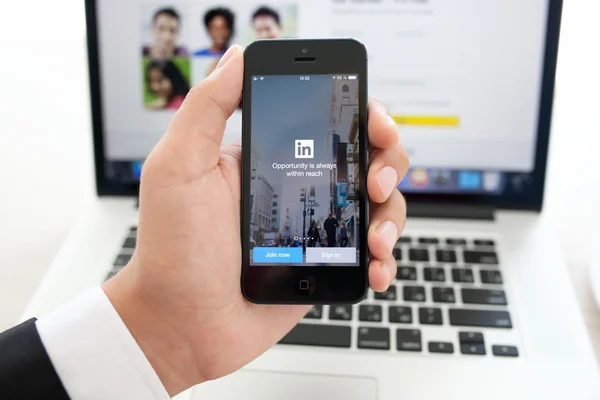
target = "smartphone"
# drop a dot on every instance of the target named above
(304, 200)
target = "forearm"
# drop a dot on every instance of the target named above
(172, 361)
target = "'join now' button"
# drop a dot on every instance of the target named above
(277, 255)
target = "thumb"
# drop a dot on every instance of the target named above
(197, 129)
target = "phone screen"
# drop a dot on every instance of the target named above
(304, 202)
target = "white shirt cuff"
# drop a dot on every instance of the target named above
(94, 354)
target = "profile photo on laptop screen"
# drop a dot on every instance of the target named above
(214, 27)
(165, 57)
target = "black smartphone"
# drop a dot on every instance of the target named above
(305, 149)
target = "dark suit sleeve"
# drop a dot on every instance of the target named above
(26, 371)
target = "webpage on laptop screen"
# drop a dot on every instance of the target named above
(461, 78)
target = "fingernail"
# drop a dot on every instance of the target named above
(388, 233)
(232, 50)
(391, 121)
(387, 179)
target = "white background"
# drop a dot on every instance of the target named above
(46, 157)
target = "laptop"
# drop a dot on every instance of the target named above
(481, 306)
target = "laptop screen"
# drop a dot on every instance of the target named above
(462, 78)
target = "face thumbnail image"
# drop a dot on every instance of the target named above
(219, 23)
(272, 22)
(217, 26)
(166, 67)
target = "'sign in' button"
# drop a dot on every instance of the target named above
(331, 255)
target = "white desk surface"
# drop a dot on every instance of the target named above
(46, 156)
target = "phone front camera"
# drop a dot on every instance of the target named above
(304, 51)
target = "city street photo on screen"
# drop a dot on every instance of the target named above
(304, 169)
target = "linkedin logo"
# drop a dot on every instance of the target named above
(305, 149)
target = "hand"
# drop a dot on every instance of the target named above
(180, 295)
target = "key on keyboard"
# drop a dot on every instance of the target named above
(445, 256)
(434, 274)
(470, 337)
(456, 242)
(473, 349)
(129, 243)
(480, 242)
(490, 276)
(319, 335)
(408, 340)
(441, 347)
(483, 318)
(370, 313)
(389, 294)
(414, 293)
(418, 255)
(430, 316)
(428, 240)
(406, 273)
(483, 296)
(340, 312)
(443, 294)
(398, 254)
(505, 351)
(462, 275)
(405, 239)
(400, 314)
(374, 338)
(480, 257)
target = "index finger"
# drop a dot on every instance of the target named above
(383, 130)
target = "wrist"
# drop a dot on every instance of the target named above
(167, 351)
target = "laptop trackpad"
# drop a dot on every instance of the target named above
(265, 385)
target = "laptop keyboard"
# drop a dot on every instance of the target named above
(448, 290)
(441, 283)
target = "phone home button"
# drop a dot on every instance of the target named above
(305, 286)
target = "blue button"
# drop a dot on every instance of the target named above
(277, 255)
(469, 180)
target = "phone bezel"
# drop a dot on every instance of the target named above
(276, 283)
